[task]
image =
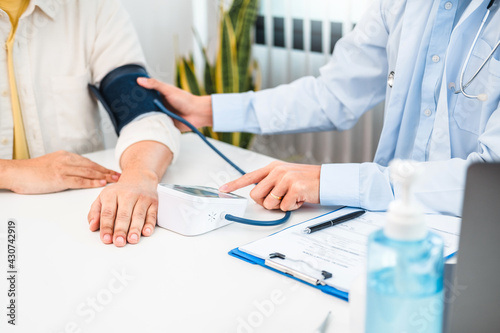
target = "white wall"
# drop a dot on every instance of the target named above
(158, 23)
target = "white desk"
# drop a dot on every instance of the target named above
(67, 277)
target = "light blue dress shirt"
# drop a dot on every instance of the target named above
(425, 43)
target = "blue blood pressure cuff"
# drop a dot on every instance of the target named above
(123, 98)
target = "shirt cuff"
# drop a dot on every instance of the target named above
(234, 113)
(153, 127)
(339, 185)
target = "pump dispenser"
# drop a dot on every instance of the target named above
(404, 265)
(405, 220)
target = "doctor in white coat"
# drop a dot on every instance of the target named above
(436, 65)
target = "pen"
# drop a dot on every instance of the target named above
(331, 223)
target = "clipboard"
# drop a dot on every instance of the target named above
(237, 253)
(446, 226)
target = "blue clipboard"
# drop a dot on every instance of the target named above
(237, 253)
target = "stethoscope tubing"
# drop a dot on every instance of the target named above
(463, 86)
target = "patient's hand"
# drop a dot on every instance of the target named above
(126, 210)
(284, 186)
(53, 173)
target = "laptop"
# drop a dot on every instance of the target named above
(473, 301)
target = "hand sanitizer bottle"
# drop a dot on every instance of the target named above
(404, 266)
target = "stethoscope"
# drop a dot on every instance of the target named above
(482, 97)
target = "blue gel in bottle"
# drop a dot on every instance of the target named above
(405, 267)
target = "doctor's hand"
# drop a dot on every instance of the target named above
(195, 109)
(281, 185)
(54, 172)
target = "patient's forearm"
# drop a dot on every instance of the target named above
(147, 158)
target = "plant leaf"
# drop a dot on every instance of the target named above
(209, 77)
(226, 68)
(246, 21)
(188, 79)
(235, 10)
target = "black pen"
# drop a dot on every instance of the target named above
(331, 223)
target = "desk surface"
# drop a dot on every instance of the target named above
(70, 282)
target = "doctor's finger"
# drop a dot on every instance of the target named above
(292, 200)
(290, 203)
(261, 191)
(275, 196)
(108, 213)
(248, 179)
(163, 88)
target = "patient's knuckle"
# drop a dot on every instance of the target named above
(59, 169)
(122, 215)
(139, 212)
(88, 172)
(152, 213)
(79, 182)
(128, 196)
(67, 156)
(108, 213)
(134, 230)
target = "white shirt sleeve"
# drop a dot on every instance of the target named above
(152, 127)
(116, 44)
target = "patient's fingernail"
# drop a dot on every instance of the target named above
(134, 238)
(103, 182)
(147, 232)
(91, 221)
(107, 238)
(115, 177)
(223, 188)
(120, 241)
(142, 80)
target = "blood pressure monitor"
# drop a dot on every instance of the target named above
(195, 210)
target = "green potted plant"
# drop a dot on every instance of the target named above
(234, 70)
